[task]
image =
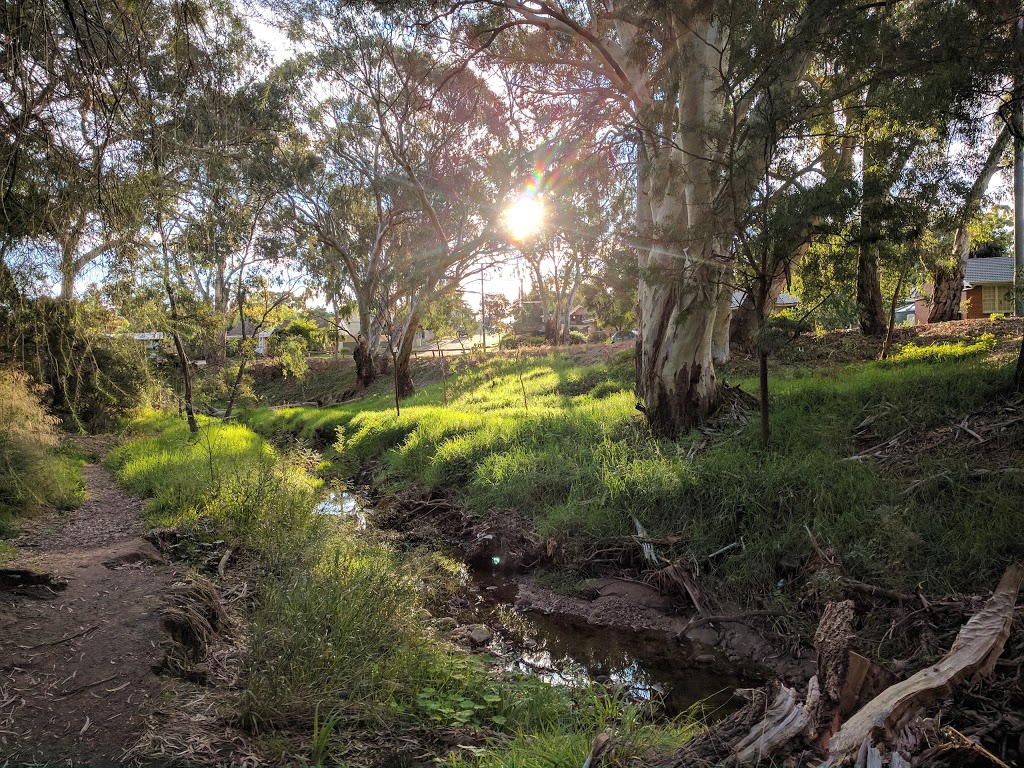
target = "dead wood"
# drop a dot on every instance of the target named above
(958, 750)
(194, 615)
(721, 618)
(832, 642)
(714, 745)
(678, 578)
(973, 655)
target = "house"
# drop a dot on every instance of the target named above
(988, 286)
(150, 339)
(783, 301)
(988, 290)
(579, 321)
(235, 334)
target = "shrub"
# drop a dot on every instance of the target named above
(514, 342)
(31, 473)
(92, 379)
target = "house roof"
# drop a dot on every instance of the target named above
(994, 269)
(784, 300)
(236, 331)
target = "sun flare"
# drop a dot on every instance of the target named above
(524, 217)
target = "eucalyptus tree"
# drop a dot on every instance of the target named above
(708, 90)
(65, 120)
(948, 270)
(414, 152)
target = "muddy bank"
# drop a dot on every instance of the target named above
(501, 550)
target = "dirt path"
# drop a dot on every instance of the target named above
(77, 661)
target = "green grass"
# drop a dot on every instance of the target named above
(579, 459)
(340, 643)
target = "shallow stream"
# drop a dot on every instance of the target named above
(566, 650)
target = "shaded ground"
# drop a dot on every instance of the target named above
(77, 663)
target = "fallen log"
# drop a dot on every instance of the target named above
(886, 729)
(973, 656)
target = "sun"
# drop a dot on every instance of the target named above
(524, 217)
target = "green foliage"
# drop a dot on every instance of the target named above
(93, 378)
(307, 330)
(514, 342)
(291, 351)
(339, 638)
(33, 473)
(943, 353)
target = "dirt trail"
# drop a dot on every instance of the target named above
(77, 663)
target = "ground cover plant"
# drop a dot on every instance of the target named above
(867, 457)
(340, 640)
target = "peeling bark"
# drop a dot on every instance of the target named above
(948, 288)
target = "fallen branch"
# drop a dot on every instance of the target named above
(973, 656)
(85, 631)
(721, 618)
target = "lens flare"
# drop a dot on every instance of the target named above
(524, 217)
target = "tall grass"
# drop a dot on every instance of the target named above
(340, 643)
(33, 472)
(580, 460)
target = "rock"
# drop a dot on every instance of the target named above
(473, 635)
(705, 659)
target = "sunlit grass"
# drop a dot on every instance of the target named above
(339, 638)
(577, 457)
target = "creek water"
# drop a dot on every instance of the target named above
(566, 650)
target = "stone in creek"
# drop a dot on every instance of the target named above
(474, 635)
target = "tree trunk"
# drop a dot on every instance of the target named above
(676, 374)
(948, 287)
(186, 374)
(743, 325)
(869, 290)
(403, 375)
(870, 306)
(365, 373)
(217, 355)
(948, 279)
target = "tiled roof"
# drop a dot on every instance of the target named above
(994, 269)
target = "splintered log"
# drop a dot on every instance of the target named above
(785, 719)
(973, 656)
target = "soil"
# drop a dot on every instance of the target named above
(78, 653)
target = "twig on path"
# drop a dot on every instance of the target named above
(87, 686)
(85, 631)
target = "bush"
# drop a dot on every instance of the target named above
(32, 474)
(576, 337)
(514, 342)
(92, 379)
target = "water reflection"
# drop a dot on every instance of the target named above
(344, 504)
(649, 666)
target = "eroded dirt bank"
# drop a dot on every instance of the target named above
(78, 653)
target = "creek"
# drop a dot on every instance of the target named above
(567, 650)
